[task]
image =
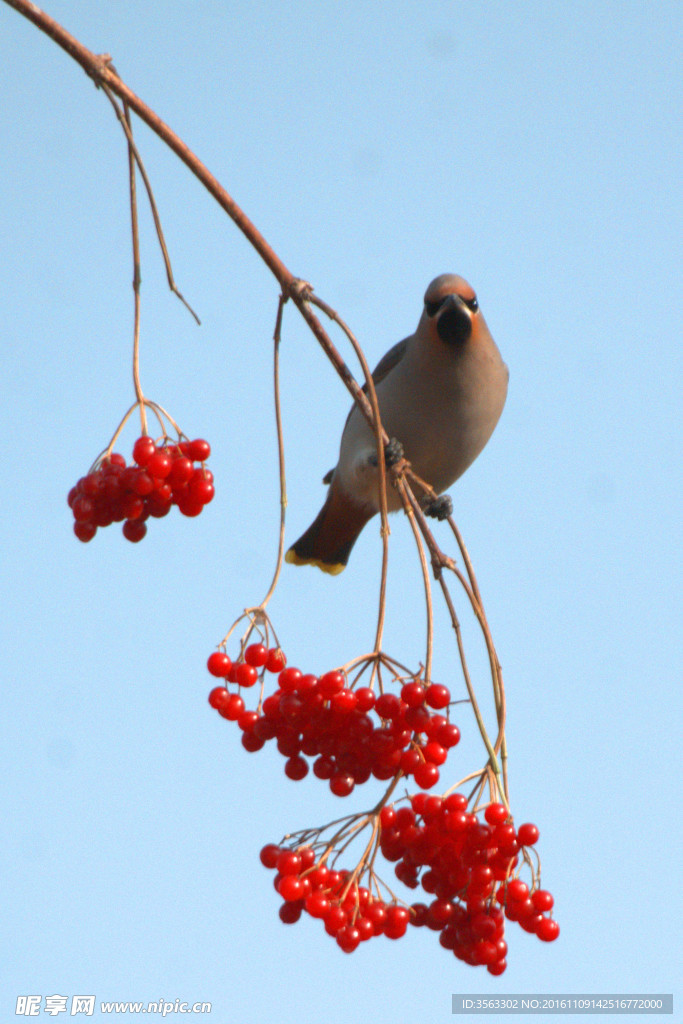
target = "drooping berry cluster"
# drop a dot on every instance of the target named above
(348, 731)
(467, 865)
(464, 863)
(162, 475)
(350, 913)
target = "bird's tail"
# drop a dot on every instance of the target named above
(328, 540)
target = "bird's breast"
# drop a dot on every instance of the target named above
(443, 416)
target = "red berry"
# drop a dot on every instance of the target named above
(527, 834)
(245, 675)
(497, 968)
(251, 742)
(256, 655)
(496, 814)
(481, 877)
(365, 698)
(288, 862)
(248, 720)
(410, 761)
(396, 922)
(388, 705)
(387, 816)
(323, 768)
(348, 938)
(307, 686)
(542, 900)
(317, 904)
(269, 855)
(85, 531)
(503, 835)
(201, 490)
(133, 507)
(296, 768)
(289, 913)
(434, 752)
(413, 694)
(440, 912)
(134, 530)
(547, 929)
(218, 696)
(426, 775)
(483, 926)
(233, 709)
(308, 857)
(342, 783)
(290, 888)
(143, 449)
(517, 890)
(157, 506)
(438, 696)
(448, 735)
(190, 507)
(485, 952)
(199, 450)
(455, 802)
(83, 509)
(219, 664)
(181, 472)
(344, 701)
(91, 485)
(276, 660)
(288, 679)
(159, 464)
(331, 683)
(419, 914)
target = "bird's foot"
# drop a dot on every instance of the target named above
(438, 508)
(393, 453)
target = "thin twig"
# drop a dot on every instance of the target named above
(124, 119)
(280, 449)
(381, 463)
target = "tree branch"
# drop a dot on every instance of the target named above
(100, 69)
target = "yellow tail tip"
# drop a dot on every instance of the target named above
(333, 569)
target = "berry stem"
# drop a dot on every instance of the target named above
(427, 588)
(280, 448)
(378, 430)
(136, 271)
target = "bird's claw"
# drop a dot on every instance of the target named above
(438, 508)
(393, 453)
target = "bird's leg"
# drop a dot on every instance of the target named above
(438, 508)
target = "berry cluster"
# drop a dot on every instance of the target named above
(466, 867)
(466, 864)
(161, 476)
(349, 911)
(350, 732)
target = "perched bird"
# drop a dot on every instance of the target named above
(440, 394)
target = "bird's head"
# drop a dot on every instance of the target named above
(451, 306)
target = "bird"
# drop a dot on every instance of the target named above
(440, 392)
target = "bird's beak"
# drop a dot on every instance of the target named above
(454, 324)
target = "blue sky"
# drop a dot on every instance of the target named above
(533, 148)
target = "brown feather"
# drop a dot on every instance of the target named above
(328, 540)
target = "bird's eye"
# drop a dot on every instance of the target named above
(432, 308)
(472, 303)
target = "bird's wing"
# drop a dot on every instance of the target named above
(388, 361)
